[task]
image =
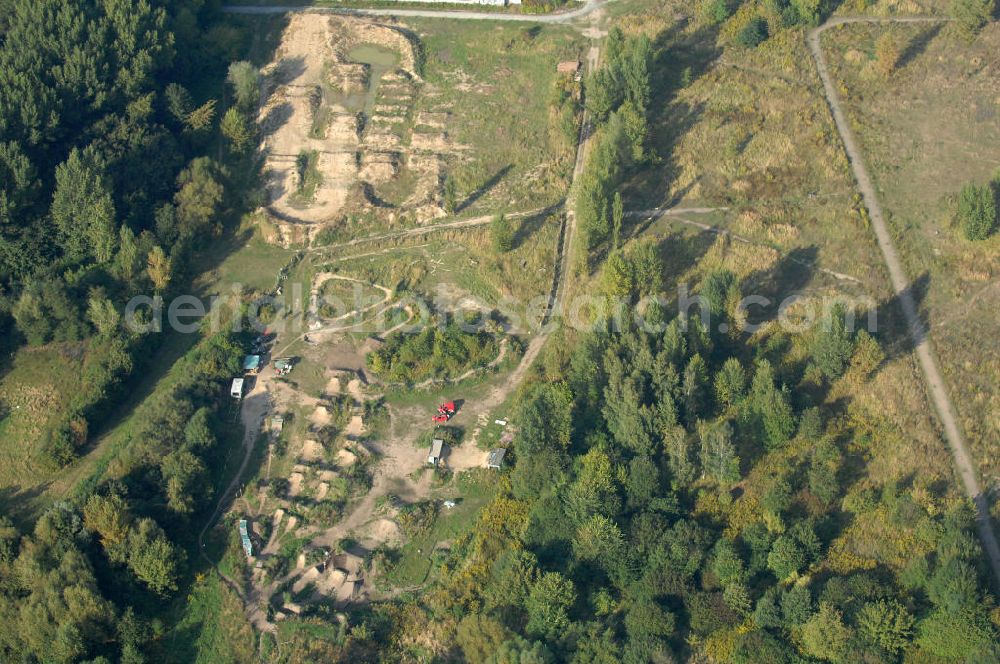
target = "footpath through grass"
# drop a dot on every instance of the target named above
(927, 129)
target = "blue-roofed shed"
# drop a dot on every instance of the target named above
(251, 363)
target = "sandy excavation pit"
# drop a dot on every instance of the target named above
(337, 120)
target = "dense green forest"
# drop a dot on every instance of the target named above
(112, 175)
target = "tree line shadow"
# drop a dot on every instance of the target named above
(484, 188)
(530, 224)
(918, 45)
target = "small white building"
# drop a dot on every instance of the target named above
(437, 447)
(236, 391)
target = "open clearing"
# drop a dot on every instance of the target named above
(347, 467)
(361, 132)
(38, 385)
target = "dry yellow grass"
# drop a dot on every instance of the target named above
(926, 131)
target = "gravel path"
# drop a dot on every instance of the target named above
(460, 14)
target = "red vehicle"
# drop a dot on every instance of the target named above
(445, 412)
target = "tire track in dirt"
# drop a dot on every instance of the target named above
(424, 230)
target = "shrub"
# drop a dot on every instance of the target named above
(972, 15)
(753, 33)
(432, 353)
(715, 11)
(977, 211)
(502, 235)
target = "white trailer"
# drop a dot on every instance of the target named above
(437, 446)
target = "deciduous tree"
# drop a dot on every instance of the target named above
(199, 196)
(502, 234)
(548, 605)
(236, 128)
(887, 624)
(82, 208)
(102, 314)
(159, 268)
(718, 454)
(825, 636)
(730, 383)
(152, 558)
(245, 81)
(769, 408)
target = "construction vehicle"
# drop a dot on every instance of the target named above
(445, 412)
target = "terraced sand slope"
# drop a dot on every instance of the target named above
(287, 121)
(311, 114)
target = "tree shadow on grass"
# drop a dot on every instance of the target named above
(681, 58)
(918, 45)
(531, 223)
(484, 188)
(22, 504)
(682, 251)
(785, 280)
(893, 329)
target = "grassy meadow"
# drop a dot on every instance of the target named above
(495, 82)
(927, 129)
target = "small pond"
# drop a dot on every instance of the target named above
(379, 60)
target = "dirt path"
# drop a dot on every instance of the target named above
(674, 214)
(253, 410)
(317, 328)
(901, 285)
(561, 17)
(560, 279)
(400, 457)
(399, 453)
(423, 230)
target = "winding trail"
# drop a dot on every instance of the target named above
(901, 285)
(253, 410)
(460, 14)
(474, 222)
